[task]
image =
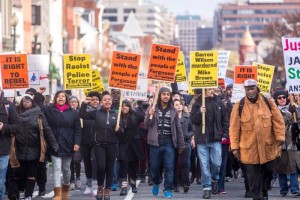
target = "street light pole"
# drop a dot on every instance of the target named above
(14, 22)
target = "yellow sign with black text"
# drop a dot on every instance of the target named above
(97, 85)
(180, 70)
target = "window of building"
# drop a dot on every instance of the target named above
(129, 10)
(125, 18)
(36, 15)
(110, 18)
(110, 10)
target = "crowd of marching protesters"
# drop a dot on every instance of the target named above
(169, 141)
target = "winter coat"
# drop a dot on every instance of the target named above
(256, 131)
(88, 130)
(129, 147)
(216, 120)
(176, 130)
(66, 128)
(106, 122)
(290, 158)
(142, 130)
(187, 129)
(9, 118)
(28, 141)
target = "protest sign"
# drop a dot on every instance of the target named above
(14, 71)
(204, 69)
(124, 70)
(141, 90)
(38, 66)
(163, 62)
(223, 57)
(291, 54)
(77, 71)
(180, 70)
(97, 85)
(238, 92)
(264, 76)
(243, 72)
(221, 83)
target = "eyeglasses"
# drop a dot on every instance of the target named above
(283, 97)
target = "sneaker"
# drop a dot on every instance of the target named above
(222, 192)
(206, 194)
(95, 192)
(72, 186)
(114, 187)
(215, 187)
(123, 191)
(199, 181)
(296, 194)
(283, 194)
(77, 184)
(228, 179)
(155, 190)
(88, 190)
(168, 194)
(185, 189)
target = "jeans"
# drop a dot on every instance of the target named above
(158, 155)
(210, 155)
(184, 160)
(222, 174)
(61, 165)
(294, 184)
(3, 170)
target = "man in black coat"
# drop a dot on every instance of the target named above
(8, 117)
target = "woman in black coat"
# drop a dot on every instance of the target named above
(29, 142)
(105, 140)
(65, 124)
(130, 149)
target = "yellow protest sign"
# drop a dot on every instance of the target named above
(180, 71)
(77, 71)
(204, 69)
(97, 85)
(264, 76)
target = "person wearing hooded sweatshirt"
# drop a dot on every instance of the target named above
(87, 141)
(8, 117)
(105, 141)
(165, 134)
(130, 149)
(65, 124)
(289, 162)
(30, 144)
(209, 146)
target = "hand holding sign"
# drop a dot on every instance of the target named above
(87, 100)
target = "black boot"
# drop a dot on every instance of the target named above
(42, 190)
(134, 188)
(185, 188)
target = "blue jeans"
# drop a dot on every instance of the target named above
(158, 155)
(294, 184)
(3, 170)
(210, 155)
(225, 148)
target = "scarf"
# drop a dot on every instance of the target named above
(284, 108)
(62, 108)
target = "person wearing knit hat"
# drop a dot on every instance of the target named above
(164, 137)
(290, 157)
(31, 91)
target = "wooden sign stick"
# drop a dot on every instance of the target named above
(203, 114)
(119, 111)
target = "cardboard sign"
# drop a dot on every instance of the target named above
(124, 70)
(163, 62)
(97, 85)
(141, 90)
(264, 76)
(38, 66)
(223, 58)
(204, 69)
(291, 54)
(242, 73)
(14, 71)
(77, 71)
(180, 70)
(238, 92)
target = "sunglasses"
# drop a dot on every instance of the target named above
(283, 97)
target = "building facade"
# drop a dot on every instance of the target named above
(232, 19)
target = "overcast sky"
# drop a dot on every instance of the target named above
(204, 8)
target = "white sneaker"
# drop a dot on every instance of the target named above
(95, 192)
(88, 190)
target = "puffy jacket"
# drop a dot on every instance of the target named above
(106, 122)
(65, 127)
(9, 117)
(28, 145)
(216, 120)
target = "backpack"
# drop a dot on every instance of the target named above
(242, 102)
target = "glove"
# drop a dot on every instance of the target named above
(292, 109)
